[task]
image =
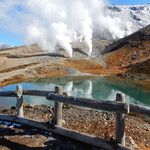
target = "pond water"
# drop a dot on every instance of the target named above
(100, 88)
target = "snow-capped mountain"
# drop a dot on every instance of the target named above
(122, 20)
(4, 46)
(137, 14)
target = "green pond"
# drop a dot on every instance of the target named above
(100, 88)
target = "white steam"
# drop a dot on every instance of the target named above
(48, 22)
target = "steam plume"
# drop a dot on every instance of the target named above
(59, 21)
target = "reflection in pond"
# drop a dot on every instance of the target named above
(100, 88)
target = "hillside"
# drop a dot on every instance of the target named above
(23, 63)
(131, 54)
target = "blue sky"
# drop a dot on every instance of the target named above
(15, 40)
(129, 2)
(10, 38)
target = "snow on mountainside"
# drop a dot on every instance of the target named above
(129, 18)
(137, 14)
(118, 21)
(4, 46)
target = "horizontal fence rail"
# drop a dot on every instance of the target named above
(37, 92)
(93, 140)
(140, 109)
(8, 94)
(112, 106)
(51, 95)
(28, 92)
(119, 106)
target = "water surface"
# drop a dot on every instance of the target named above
(100, 88)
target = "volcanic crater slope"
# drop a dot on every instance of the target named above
(127, 56)
(23, 63)
(131, 54)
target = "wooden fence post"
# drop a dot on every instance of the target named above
(19, 104)
(58, 108)
(120, 121)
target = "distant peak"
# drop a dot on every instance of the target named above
(4, 46)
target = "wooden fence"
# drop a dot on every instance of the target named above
(119, 106)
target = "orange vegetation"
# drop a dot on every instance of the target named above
(84, 65)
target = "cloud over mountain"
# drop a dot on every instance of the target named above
(66, 21)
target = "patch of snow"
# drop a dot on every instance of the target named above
(16, 125)
(6, 123)
(10, 124)
(134, 17)
(34, 129)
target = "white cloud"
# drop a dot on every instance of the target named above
(61, 21)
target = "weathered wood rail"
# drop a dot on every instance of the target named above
(59, 97)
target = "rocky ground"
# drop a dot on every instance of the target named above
(87, 121)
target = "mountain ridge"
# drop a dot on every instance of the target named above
(129, 18)
(4, 46)
(131, 54)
